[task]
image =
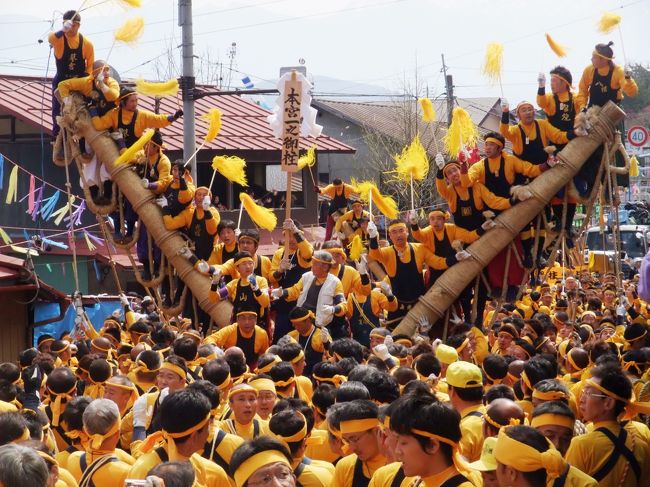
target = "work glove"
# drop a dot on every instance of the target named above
(372, 230)
(205, 204)
(252, 280)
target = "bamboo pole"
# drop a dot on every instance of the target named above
(77, 120)
(448, 287)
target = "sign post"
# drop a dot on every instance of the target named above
(291, 121)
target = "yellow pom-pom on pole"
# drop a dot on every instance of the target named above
(428, 112)
(214, 117)
(230, 167)
(634, 167)
(132, 3)
(412, 165)
(356, 248)
(130, 31)
(461, 133)
(129, 154)
(493, 63)
(166, 88)
(608, 22)
(262, 217)
(308, 159)
(558, 49)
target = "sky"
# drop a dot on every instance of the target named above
(371, 45)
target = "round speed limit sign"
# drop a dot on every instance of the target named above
(637, 136)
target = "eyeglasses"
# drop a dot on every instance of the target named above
(353, 440)
(281, 474)
(591, 393)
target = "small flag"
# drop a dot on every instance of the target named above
(248, 84)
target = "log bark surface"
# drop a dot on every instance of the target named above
(448, 287)
(76, 119)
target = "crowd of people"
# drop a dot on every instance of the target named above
(310, 385)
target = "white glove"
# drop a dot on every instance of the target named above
(552, 161)
(140, 412)
(325, 336)
(185, 252)
(203, 267)
(362, 266)
(488, 224)
(436, 342)
(354, 224)
(162, 201)
(541, 79)
(277, 293)
(215, 272)
(253, 282)
(327, 310)
(628, 73)
(463, 255)
(124, 300)
(99, 83)
(388, 341)
(386, 289)
(381, 351)
(205, 204)
(145, 183)
(340, 236)
(117, 135)
(67, 25)
(423, 325)
(505, 106)
(289, 225)
(237, 232)
(285, 265)
(620, 310)
(413, 217)
(153, 481)
(66, 100)
(372, 230)
(440, 160)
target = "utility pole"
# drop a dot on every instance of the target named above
(450, 91)
(188, 82)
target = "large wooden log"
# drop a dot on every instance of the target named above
(76, 119)
(448, 287)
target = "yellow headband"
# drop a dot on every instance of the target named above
(244, 388)
(175, 369)
(358, 425)
(462, 346)
(269, 366)
(397, 225)
(494, 141)
(97, 439)
(524, 378)
(284, 383)
(549, 395)
(48, 458)
(632, 408)
(569, 359)
(337, 380)
(257, 461)
(524, 458)
(489, 420)
(24, 437)
(226, 382)
(247, 313)
(243, 259)
(298, 358)
(554, 75)
(552, 419)
(153, 439)
(297, 436)
(47, 340)
(142, 367)
(60, 398)
(313, 257)
(443, 214)
(607, 392)
(630, 340)
(336, 250)
(333, 431)
(302, 318)
(603, 56)
(491, 379)
(263, 384)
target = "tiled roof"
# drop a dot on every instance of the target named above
(244, 126)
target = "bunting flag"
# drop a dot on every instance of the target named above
(2, 171)
(32, 190)
(12, 190)
(37, 203)
(59, 214)
(50, 204)
(5, 237)
(89, 244)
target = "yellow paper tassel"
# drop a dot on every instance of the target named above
(462, 132)
(130, 31)
(132, 3)
(129, 154)
(89, 244)
(385, 204)
(608, 21)
(356, 248)
(493, 61)
(166, 88)
(309, 159)
(12, 190)
(262, 217)
(428, 112)
(232, 168)
(558, 49)
(412, 162)
(634, 167)
(5, 237)
(59, 214)
(214, 117)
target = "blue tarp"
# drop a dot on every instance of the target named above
(96, 313)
